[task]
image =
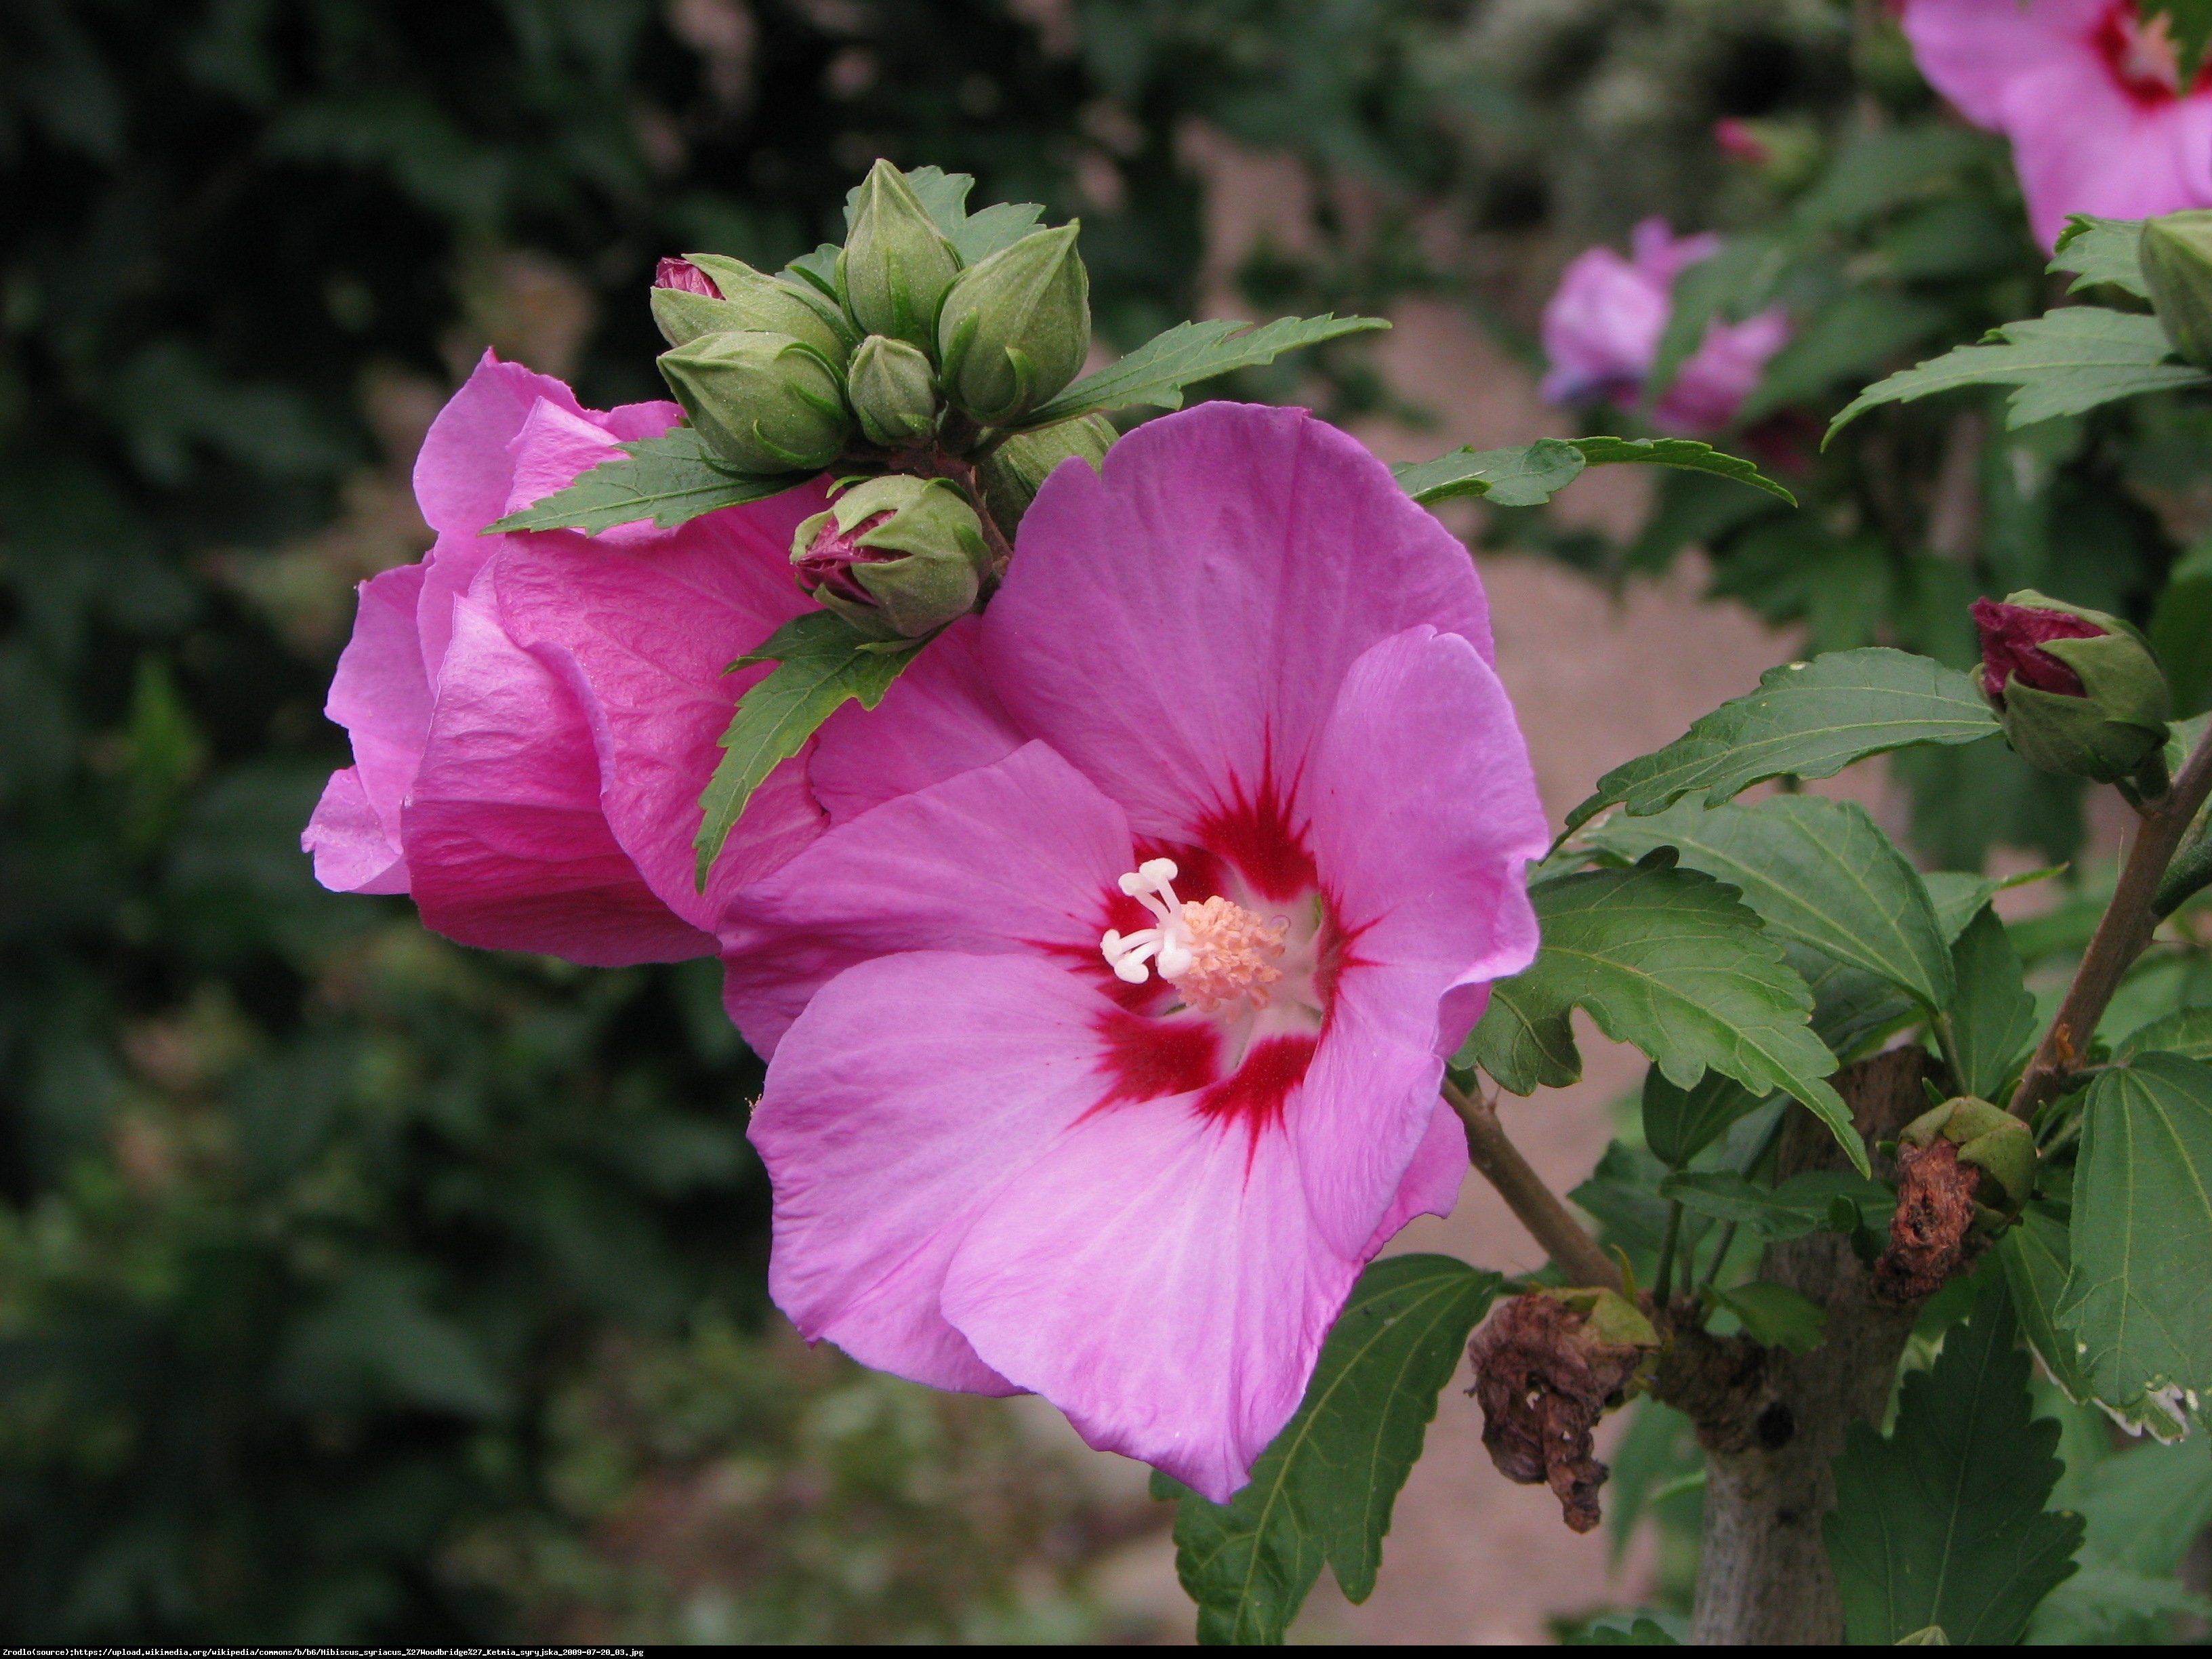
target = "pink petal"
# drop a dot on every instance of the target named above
(381, 696)
(505, 840)
(1975, 51)
(1721, 374)
(1177, 628)
(1019, 855)
(1600, 327)
(642, 635)
(940, 718)
(351, 852)
(913, 1091)
(553, 449)
(2097, 151)
(1157, 1277)
(464, 473)
(1425, 817)
(1662, 256)
(1432, 1179)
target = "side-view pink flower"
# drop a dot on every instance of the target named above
(533, 716)
(1601, 329)
(1108, 1019)
(2089, 91)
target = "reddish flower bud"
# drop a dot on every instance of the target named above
(683, 274)
(1736, 138)
(832, 553)
(2012, 640)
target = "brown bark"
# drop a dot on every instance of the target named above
(1771, 1428)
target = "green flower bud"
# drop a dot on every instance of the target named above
(1989, 1139)
(1011, 474)
(2078, 692)
(893, 391)
(706, 293)
(898, 556)
(1017, 327)
(896, 266)
(2176, 265)
(765, 403)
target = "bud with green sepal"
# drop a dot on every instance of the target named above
(704, 294)
(1011, 474)
(2176, 252)
(898, 557)
(1017, 327)
(1991, 1139)
(2077, 690)
(763, 402)
(893, 392)
(897, 267)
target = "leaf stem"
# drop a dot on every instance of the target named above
(1720, 1255)
(1540, 1209)
(2122, 932)
(1663, 1280)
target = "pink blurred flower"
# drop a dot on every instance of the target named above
(533, 716)
(1232, 720)
(1601, 330)
(2089, 94)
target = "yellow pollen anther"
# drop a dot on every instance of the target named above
(1233, 954)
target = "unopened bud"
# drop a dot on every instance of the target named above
(2175, 252)
(2078, 692)
(765, 403)
(709, 294)
(896, 266)
(1990, 1139)
(1011, 474)
(896, 556)
(1017, 327)
(894, 393)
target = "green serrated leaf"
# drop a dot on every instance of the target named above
(2185, 1032)
(2061, 363)
(1992, 1018)
(1528, 476)
(668, 479)
(1774, 1315)
(1684, 454)
(1669, 960)
(979, 235)
(2035, 1255)
(1959, 897)
(822, 662)
(1853, 1011)
(1324, 1489)
(1157, 370)
(1817, 871)
(1806, 1203)
(2138, 1301)
(2102, 251)
(1944, 1523)
(818, 270)
(1807, 719)
(1680, 1123)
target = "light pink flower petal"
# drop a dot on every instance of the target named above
(2097, 151)
(1021, 855)
(1974, 52)
(1662, 256)
(351, 852)
(1432, 1179)
(464, 473)
(1177, 628)
(382, 696)
(940, 718)
(1425, 817)
(1600, 327)
(1156, 1275)
(505, 843)
(910, 1094)
(1720, 374)
(642, 635)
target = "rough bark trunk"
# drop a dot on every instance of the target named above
(1763, 1577)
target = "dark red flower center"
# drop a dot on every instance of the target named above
(2141, 54)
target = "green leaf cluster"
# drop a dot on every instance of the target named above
(1532, 474)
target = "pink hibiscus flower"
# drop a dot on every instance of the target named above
(1601, 329)
(1107, 1018)
(533, 716)
(2089, 94)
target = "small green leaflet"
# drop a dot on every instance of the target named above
(1775, 1316)
(1853, 1011)
(1324, 1489)
(822, 661)
(1669, 960)
(2185, 1032)
(2034, 1255)
(2138, 1301)
(2060, 363)
(1992, 1020)
(1959, 896)
(1944, 1523)
(2102, 251)
(818, 270)
(668, 479)
(1680, 1123)
(1157, 370)
(1806, 1203)
(1807, 720)
(1532, 474)
(1817, 871)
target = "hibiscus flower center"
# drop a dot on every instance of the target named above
(1215, 953)
(2141, 54)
